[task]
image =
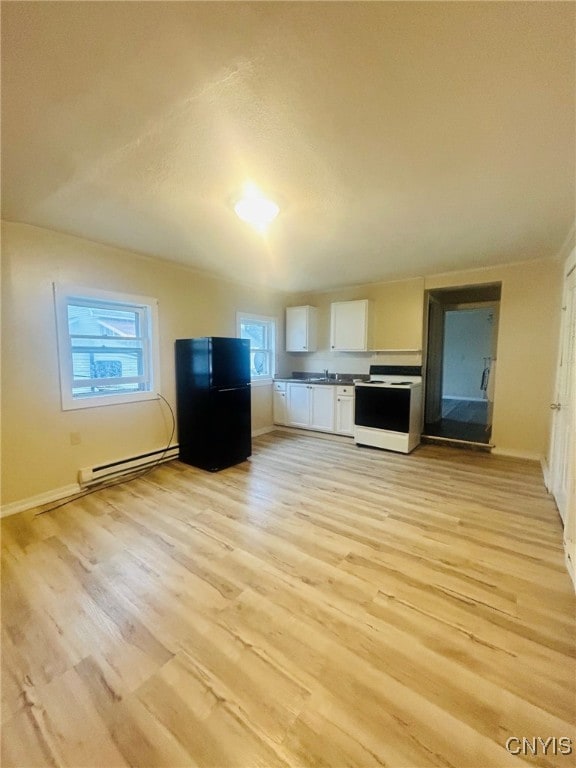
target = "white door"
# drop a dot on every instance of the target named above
(299, 405)
(563, 430)
(323, 399)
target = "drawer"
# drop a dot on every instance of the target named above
(347, 390)
(279, 386)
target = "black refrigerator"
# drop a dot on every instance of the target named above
(213, 401)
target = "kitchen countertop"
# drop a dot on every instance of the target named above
(340, 382)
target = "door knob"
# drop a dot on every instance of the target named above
(556, 406)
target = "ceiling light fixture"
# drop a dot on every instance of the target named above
(255, 209)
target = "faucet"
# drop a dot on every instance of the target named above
(326, 373)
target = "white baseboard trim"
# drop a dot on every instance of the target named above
(37, 501)
(513, 453)
(262, 431)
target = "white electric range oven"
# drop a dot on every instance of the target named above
(388, 408)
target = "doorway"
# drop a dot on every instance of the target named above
(461, 362)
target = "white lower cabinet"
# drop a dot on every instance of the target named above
(345, 410)
(322, 407)
(279, 403)
(322, 402)
(298, 405)
(311, 406)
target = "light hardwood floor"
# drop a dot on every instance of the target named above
(319, 605)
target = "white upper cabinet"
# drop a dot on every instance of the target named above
(301, 329)
(349, 326)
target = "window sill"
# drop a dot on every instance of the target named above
(70, 404)
(261, 382)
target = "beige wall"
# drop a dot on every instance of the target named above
(528, 331)
(527, 341)
(37, 456)
(396, 311)
(396, 327)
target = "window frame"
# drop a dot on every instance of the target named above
(147, 310)
(272, 323)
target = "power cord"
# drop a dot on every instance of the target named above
(127, 478)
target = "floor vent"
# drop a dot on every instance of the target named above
(116, 469)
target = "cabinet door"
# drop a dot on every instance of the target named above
(296, 329)
(349, 325)
(299, 405)
(322, 403)
(345, 415)
(301, 329)
(279, 404)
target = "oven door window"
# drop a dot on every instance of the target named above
(382, 408)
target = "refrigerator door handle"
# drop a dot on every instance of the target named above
(232, 389)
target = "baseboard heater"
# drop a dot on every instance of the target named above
(116, 469)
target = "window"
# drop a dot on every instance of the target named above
(261, 331)
(107, 347)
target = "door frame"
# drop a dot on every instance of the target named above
(456, 298)
(432, 411)
(560, 480)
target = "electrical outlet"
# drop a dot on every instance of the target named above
(75, 438)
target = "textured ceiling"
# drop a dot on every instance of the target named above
(400, 139)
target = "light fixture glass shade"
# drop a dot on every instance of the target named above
(255, 209)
